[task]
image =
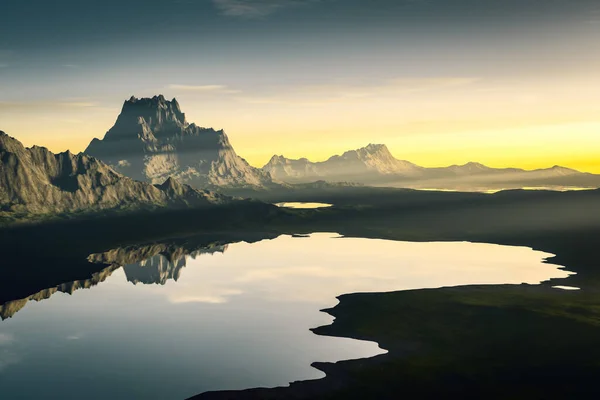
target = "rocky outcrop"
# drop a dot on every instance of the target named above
(36, 181)
(152, 141)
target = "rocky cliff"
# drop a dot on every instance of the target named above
(152, 141)
(36, 181)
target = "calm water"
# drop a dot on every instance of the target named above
(304, 205)
(236, 317)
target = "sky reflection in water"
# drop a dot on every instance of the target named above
(233, 320)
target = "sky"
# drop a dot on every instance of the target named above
(502, 82)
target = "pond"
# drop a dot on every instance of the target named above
(304, 205)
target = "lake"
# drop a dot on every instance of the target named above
(227, 317)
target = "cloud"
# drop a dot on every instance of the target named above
(212, 295)
(323, 94)
(424, 84)
(44, 105)
(255, 8)
(204, 88)
(3, 65)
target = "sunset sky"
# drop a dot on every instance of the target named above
(502, 82)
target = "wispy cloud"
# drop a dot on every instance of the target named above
(45, 105)
(337, 93)
(213, 296)
(255, 8)
(3, 65)
(70, 65)
(203, 88)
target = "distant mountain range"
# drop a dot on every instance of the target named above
(375, 165)
(152, 141)
(153, 158)
(36, 181)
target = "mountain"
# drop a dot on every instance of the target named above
(152, 141)
(37, 181)
(365, 164)
(375, 165)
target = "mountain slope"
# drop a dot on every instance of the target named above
(36, 181)
(152, 141)
(367, 163)
(375, 165)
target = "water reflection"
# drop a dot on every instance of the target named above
(9, 309)
(152, 264)
(224, 316)
(160, 268)
(304, 205)
(566, 287)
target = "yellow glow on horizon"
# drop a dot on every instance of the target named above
(575, 145)
(529, 147)
(432, 123)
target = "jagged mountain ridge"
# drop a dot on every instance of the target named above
(152, 141)
(375, 165)
(36, 181)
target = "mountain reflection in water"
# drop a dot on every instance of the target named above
(239, 315)
(152, 264)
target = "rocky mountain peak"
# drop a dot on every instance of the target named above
(9, 144)
(376, 148)
(371, 151)
(475, 166)
(172, 187)
(276, 160)
(152, 141)
(148, 118)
